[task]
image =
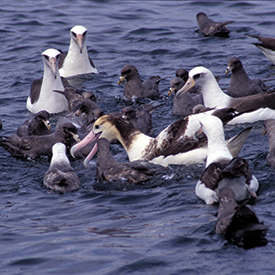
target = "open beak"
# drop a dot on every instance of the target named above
(88, 139)
(188, 85)
(121, 79)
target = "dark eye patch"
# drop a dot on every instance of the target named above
(196, 76)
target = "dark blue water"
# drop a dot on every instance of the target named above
(162, 227)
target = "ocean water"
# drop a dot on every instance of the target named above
(160, 227)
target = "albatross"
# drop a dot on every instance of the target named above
(221, 168)
(77, 61)
(252, 108)
(42, 96)
(176, 144)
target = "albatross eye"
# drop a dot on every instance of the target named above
(46, 57)
(96, 126)
(74, 34)
(84, 33)
(196, 76)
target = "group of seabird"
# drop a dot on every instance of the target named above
(196, 137)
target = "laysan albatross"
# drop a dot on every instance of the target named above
(42, 96)
(252, 108)
(77, 61)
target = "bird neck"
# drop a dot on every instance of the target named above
(216, 148)
(212, 94)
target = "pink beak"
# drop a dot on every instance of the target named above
(88, 139)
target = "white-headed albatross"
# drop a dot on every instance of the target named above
(42, 96)
(176, 144)
(221, 168)
(77, 61)
(252, 108)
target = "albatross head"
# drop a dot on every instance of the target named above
(198, 76)
(104, 127)
(50, 59)
(78, 36)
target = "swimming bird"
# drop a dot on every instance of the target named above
(60, 176)
(239, 223)
(42, 96)
(110, 170)
(77, 61)
(209, 27)
(183, 105)
(221, 168)
(39, 125)
(267, 47)
(176, 144)
(34, 146)
(73, 97)
(269, 129)
(252, 108)
(240, 83)
(140, 117)
(135, 87)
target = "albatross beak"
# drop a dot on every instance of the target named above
(53, 66)
(121, 79)
(79, 41)
(88, 139)
(188, 85)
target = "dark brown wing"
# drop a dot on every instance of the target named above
(35, 90)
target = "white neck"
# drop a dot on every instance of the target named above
(217, 148)
(212, 94)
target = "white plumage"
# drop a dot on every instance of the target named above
(77, 61)
(42, 96)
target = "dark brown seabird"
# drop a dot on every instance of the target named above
(34, 146)
(239, 223)
(135, 87)
(240, 83)
(39, 125)
(60, 176)
(209, 27)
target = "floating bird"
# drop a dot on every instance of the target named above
(77, 61)
(183, 105)
(267, 47)
(211, 28)
(37, 126)
(176, 144)
(35, 146)
(239, 223)
(140, 117)
(110, 170)
(42, 96)
(269, 129)
(72, 96)
(134, 86)
(60, 176)
(221, 168)
(240, 83)
(252, 108)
